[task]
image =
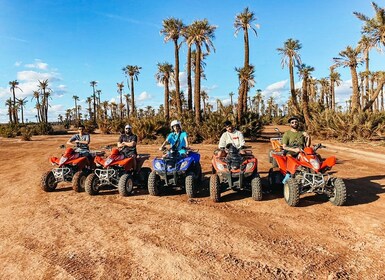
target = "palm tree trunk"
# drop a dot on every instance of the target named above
(292, 88)
(240, 102)
(189, 84)
(305, 102)
(177, 87)
(132, 96)
(166, 100)
(375, 94)
(197, 85)
(355, 96)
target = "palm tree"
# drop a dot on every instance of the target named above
(380, 85)
(127, 99)
(374, 27)
(186, 34)
(172, 30)
(89, 101)
(202, 34)
(45, 92)
(335, 80)
(324, 82)
(93, 85)
(165, 76)
(305, 72)
(243, 21)
(133, 71)
(291, 58)
(21, 102)
(350, 58)
(76, 98)
(120, 91)
(205, 98)
(36, 95)
(257, 100)
(98, 92)
(14, 85)
(365, 44)
(9, 103)
(246, 79)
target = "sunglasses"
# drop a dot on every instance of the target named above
(293, 122)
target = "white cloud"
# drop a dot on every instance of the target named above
(281, 85)
(144, 96)
(18, 63)
(38, 65)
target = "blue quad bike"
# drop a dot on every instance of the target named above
(173, 170)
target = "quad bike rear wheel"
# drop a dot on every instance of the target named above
(153, 184)
(291, 192)
(78, 181)
(48, 182)
(92, 184)
(215, 188)
(190, 185)
(256, 188)
(339, 197)
(125, 185)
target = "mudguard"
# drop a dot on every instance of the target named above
(329, 162)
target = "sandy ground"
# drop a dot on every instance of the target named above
(68, 235)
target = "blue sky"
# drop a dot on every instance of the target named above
(71, 43)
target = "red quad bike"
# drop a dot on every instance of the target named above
(71, 167)
(237, 171)
(308, 173)
(119, 172)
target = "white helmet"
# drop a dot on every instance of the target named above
(176, 122)
(128, 126)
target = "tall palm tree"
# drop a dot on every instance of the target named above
(172, 30)
(93, 84)
(366, 44)
(202, 34)
(165, 76)
(291, 58)
(76, 99)
(127, 99)
(380, 85)
(335, 80)
(45, 92)
(305, 73)
(246, 79)
(186, 34)
(324, 82)
(120, 87)
(9, 103)
(133, 71)
(350, 58)
(89, 101)
(257, 100)
(205, 98)
(22, 102)
(231, 94)
(98, 92)
(14, 85)
(243, 21)
(36, 95)
(374, 27)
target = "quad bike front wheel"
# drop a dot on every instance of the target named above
(190, 185)
(92, 184)
(215, 188)
(153, 184)
(125, 185)
(78, 181)
(339, 197)
(291, 192)
(256, 188)
(48, 182)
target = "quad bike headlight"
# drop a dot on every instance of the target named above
(158, 165)
(184, 164)
(249, 166)
(220, 166)
(62, 160)
(315, 163)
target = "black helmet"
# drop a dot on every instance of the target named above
(293, 118)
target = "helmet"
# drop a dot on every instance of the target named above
(128, 126)
(176, 122)
(293, 118)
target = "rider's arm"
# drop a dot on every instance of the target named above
(186, 141)
(164, 143)
(307, 139)
(72, 141)
(222, 141)
(285, 144)
(86, 141)
(241, 139)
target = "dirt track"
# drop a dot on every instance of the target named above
(68, 235)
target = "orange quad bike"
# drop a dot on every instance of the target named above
(73, 166)
(276, 147)
(308, 173)
(119, 172)
(237, 171)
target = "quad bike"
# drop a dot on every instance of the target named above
(73, 166)
(308, 173)
(119, 172)
(237, 171)
(276, 147)
(174, 170)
